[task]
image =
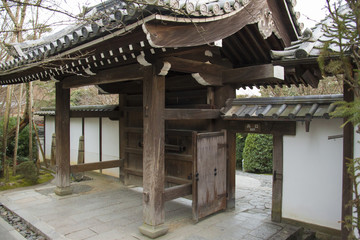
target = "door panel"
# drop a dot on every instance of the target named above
(210, 174)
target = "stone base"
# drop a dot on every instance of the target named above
(63, 191)
(153, 231)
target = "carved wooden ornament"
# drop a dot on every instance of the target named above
(266, 23)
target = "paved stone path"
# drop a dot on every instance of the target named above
(104, 209)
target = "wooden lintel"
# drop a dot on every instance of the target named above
(109, 114)
(177, 191)
(191, 66)
(254, 74)
(119, 74)
(95, 166)
(188, 114)
(265, 127)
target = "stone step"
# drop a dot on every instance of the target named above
(289, 233)
(309, 235)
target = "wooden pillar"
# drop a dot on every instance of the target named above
(348, 153)
(62, 131)
(153, 155)
(122, 138)
(221, 95)
(231, 169)
(276, 209)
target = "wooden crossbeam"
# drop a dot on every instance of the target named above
(254, 74)
(119, 74)
(191, 66)
(177, 191)
(188, 114)
(95, 166)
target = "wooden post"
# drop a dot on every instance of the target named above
(231, 169)
(100, 141)
(53, 150)
(80, 160)
(221, 95)
(348, 153)
(122, 139)
(62, 130)
(276, 209)
(153, 155)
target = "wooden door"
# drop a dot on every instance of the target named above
(209, 181)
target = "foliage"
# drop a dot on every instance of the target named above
(258, 154)
(353, 222)
(340, 57)
(23, 148)
(240, 144)
(28, 171)
(89, 96)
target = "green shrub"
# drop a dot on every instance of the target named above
(23, 147)
(240, 144)
(258, 153)
(28, 171)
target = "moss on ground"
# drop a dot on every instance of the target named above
(18, 180)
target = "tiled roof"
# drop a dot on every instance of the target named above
(112, 15)
(50, 111)
(311, 42)
(298, 108)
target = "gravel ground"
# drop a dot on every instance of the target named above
(19, 224)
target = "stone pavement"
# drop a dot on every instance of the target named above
(103, 208)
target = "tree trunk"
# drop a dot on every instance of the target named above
(17, 130)
(5, 129)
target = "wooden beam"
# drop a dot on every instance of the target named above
(95, 166)
(87, 114)
(153, 155)
(189, 114)
(276, 209)
(254, 74)
(191, 66)
(62, 130)
(310, 79)
(266, 127)
(119, 74)
(177, 191)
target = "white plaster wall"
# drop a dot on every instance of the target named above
(312, 179)
(75, 133)
(49, 130)
(110, 144)
(91, 140)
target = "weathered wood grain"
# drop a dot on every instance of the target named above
(154, 148)
(95, 166)
(62, 130)
(276, 209)
(177, 191)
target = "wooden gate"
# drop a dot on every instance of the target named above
(209, 181)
